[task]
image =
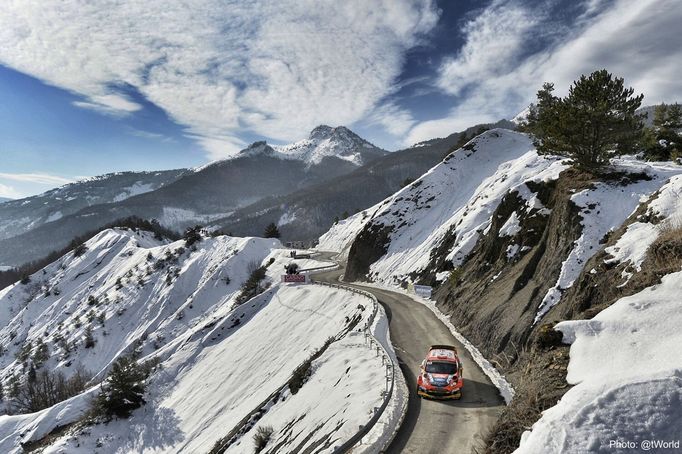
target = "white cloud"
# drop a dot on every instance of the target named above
(444, 127)
(635, 39)
(9, 192)
(111, 104)
(220, 67)
(392, 118)
(495, 38)
(39, 178)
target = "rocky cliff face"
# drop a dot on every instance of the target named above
(494, 296)
(519, 250)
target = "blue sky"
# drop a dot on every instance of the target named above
(87, 89)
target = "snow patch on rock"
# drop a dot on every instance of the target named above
(626, 366)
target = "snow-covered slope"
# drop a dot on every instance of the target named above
(603, 209)
(665, 207)
(461, 193)
(219, 358)
(139, 284)
(627, 367)
(625, 362)
(459, 196)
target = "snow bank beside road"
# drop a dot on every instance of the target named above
(626, 364)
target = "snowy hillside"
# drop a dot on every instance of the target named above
(219, 359)
(461, 193)
(604, 208)
(458, 197)
(627, 367)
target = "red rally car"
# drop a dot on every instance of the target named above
(440, 375)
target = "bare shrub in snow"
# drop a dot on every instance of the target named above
(45, 389)
(548, 337)
(666, 251)
(262, 437)
(80, 250)
(303, 372)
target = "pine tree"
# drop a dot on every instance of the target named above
(660, 114)
(192, 235)
(674, 119)
(89, 338)
(663, 142)
(123, 390)
(271, 231)
(597, 116)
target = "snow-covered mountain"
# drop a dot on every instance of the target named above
(513, 242)
(325, 141)
(192, 197)
(21, 215)
(307, 213)
(4, 199)
(128, 291)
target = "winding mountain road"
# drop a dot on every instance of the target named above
(430, 426)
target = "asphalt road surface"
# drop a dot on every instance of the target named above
(438, 427)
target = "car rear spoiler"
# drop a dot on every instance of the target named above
(444, 347)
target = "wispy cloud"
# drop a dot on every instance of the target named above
(110, 104)
(220, 67)
(635, 39)
(392, 118)
(39, 178)
(149, 135)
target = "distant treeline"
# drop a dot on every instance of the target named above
(11, 276)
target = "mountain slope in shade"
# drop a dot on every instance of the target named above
(21, 215)
(199, 196)
(307, 213)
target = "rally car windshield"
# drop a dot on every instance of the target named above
(433, 367)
